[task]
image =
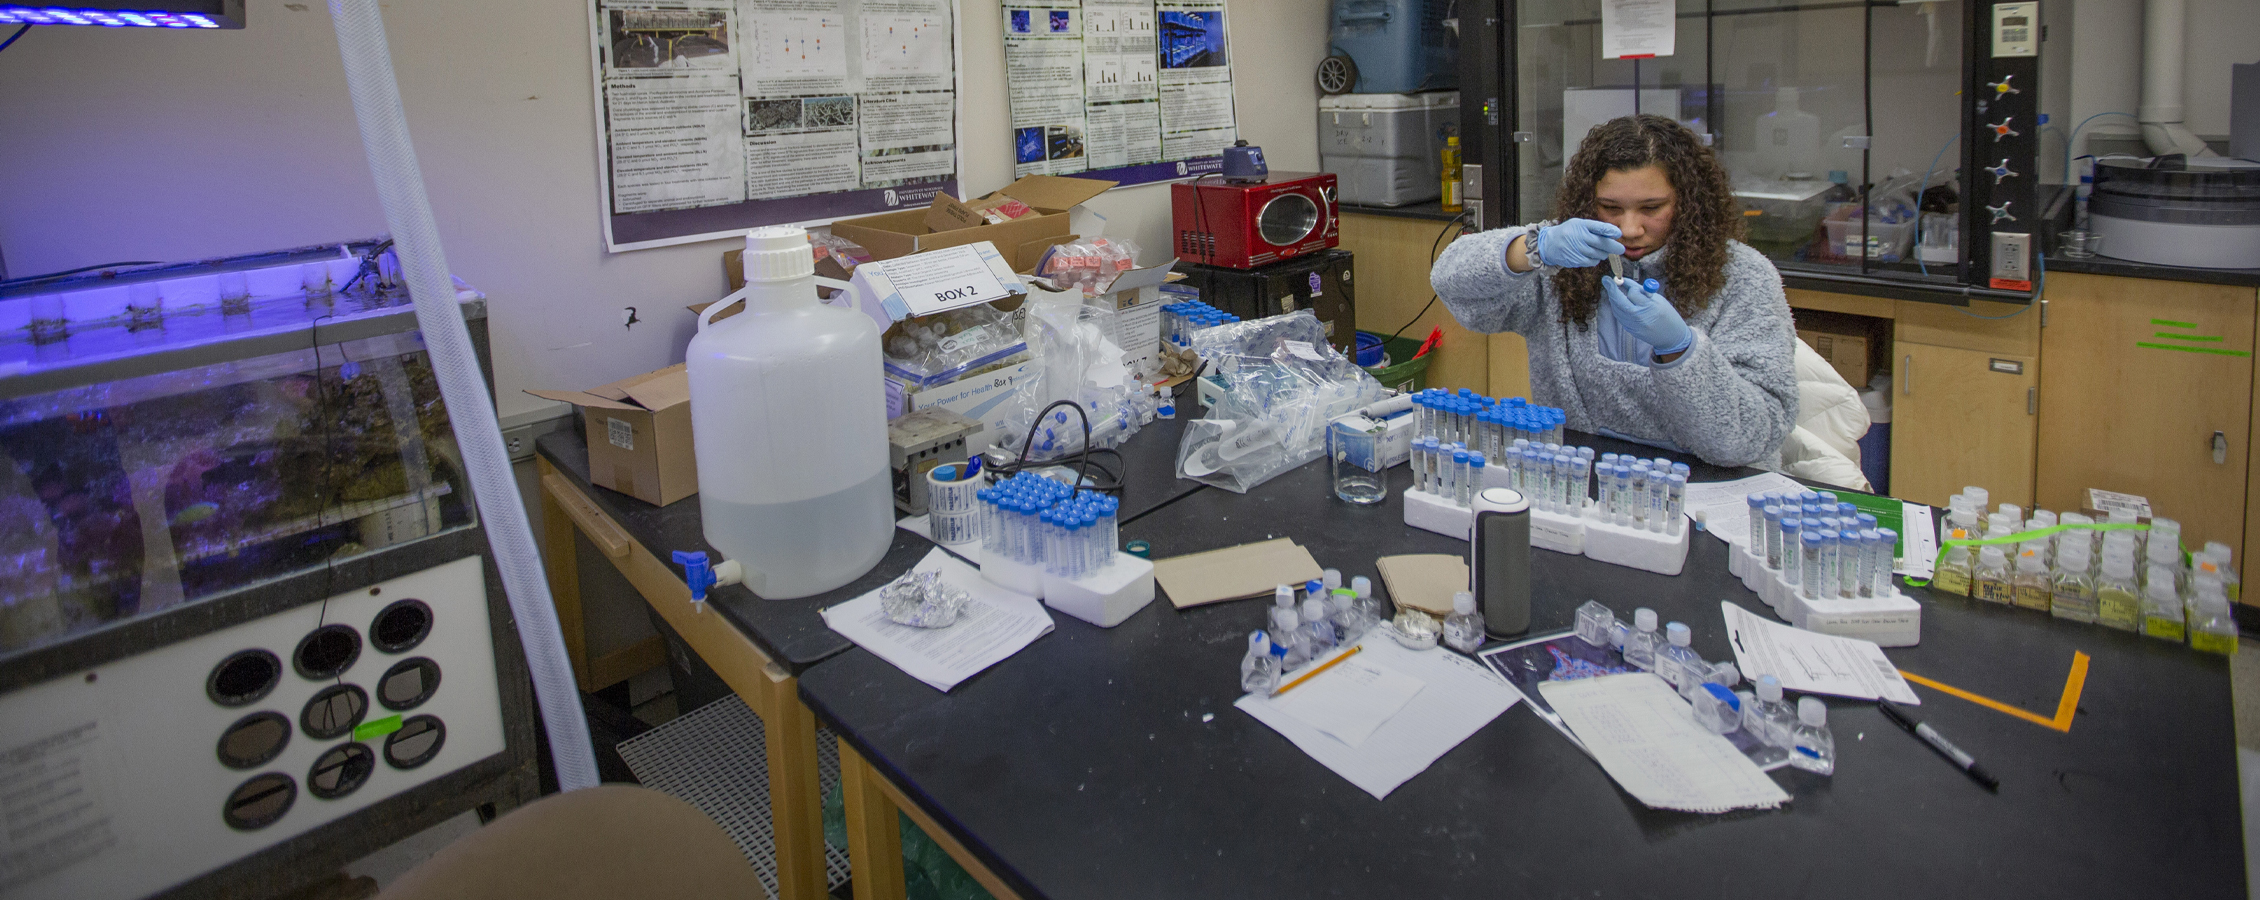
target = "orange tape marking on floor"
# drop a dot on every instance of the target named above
(2065, 707)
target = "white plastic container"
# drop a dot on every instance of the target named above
(1385, 149)
(789, 418)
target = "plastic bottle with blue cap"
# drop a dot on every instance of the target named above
(1259, 670)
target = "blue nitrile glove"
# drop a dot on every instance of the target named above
(1643, 312)
(1578, 243)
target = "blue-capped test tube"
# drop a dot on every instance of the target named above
(1813, 564)
(1853, 559)
(1675, 502)
(1757, 506)
(1454, 482)
(1879, 575)
(1637, 503)
(1792, 548)
(1474, 482)
(1417, 461)
(1580, 475)
(1659, 491)
(1771, 547)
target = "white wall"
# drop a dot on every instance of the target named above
(2106, 49)
(120, 144)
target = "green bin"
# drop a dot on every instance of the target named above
(1403, 373)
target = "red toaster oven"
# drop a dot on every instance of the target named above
(1243, 226)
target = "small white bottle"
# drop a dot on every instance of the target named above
(1463, 629)
(1259, 671)
(1370, 608)
(1317, 627)
(1813, 748)
(1286, 628)
(1342, 610)
(1640, 646)
(1771, 721)
(1676, 662)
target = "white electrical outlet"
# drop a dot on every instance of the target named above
(2011, 259)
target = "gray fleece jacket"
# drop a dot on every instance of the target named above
(1730, 399)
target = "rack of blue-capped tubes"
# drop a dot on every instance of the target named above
(1180, 321)
(1459, 434)
(1037, 521)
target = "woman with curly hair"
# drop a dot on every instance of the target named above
(1690, 349)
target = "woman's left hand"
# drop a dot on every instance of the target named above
(1643, 311)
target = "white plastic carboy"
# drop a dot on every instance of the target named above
(789, 418)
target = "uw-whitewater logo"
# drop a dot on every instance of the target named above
(892, 198)
(1181, 169)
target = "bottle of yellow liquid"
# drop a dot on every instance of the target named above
(2118, 600)
(1452, 202)
(1953, 574)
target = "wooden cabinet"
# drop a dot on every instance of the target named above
(1961, 417)
(2148, 391)
(1392, 267)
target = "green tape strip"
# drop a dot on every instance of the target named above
(2173, 324)
(2201, 338)
(2019, 538)
(2213, 350)
(377, 729)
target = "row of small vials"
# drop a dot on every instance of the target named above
(1331, 616)
(1778, 734)
(2127, 578)
(1481, 423)
(1181, 320)
(1038, 521)
(1828, 548)
(1635, 493)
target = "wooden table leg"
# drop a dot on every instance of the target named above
(796, 802)
(559, 560)
(796, 798)
(874, 829)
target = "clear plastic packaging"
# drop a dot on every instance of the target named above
(1285, 384)
(1089, 266)
(1077, 360)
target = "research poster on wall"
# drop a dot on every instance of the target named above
(1132, 91)
(715, 116)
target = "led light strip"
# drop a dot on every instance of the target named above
(58, 15)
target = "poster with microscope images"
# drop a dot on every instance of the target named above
(1131, 91)
(715, 116)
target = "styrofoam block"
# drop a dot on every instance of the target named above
(1892, 621)
(1638, 548)
(1559, 532)
(1737, 563)
(1429, 512)
(1107, 597)
(1012, 576)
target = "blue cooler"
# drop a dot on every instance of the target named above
(1398, 46)
(1875, 446)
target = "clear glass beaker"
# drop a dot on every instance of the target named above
(1357, 483)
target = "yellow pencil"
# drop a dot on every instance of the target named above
(1306, 676)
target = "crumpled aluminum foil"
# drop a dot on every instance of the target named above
(922, 600)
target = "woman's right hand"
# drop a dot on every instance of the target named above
(1578, 243)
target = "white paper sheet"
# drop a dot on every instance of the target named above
(1813, 663)
(1638, 28)
(1351, 699)
(1647, 739)
(1918, 540)
(1461, 697)
(1722, 509)
(995, 624)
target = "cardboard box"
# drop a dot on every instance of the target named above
(639, 432)
(1050, 197)
(1847, 353)
(981, 398)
